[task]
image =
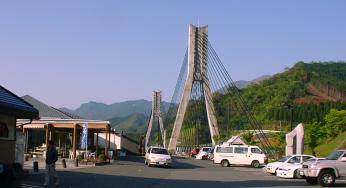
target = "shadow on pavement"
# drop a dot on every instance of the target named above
(71, 179)
(178, 163)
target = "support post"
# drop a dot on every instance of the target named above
(107, 146)
(74, 144)
(47, 134)
(97, 143)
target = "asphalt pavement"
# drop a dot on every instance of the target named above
(185, 173)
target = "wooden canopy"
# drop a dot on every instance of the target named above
(74, 124)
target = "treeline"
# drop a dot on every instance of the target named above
(287, 97)
(306, 113)
(284, 98)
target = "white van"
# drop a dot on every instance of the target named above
(227, 155)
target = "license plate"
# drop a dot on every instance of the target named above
(161, 162)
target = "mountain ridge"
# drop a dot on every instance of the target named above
(102, 111)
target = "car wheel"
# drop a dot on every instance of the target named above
(296, 175)
(276, 172)
(326, 178)
(255, 164)
(312, 181)
(224, 163)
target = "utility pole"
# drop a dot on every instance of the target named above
(291, 108)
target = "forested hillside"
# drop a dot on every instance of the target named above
(304, 93)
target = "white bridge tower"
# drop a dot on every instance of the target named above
(197, 73)
(155, 116)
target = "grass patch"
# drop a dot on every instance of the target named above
(329, 146)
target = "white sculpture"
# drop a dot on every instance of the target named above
(295, 141)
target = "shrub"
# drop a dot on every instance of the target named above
(79, 157)
(17, 167)
(102, 157)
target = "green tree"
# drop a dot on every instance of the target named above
(314, 135)
(335, 121)
(220, 138)
(248, 138)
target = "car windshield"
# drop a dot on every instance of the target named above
(335, 155)
(206, 149)
(284, 159)
(159, 151)
(312, 159)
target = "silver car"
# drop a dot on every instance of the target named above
(157, 156)
(325, 172)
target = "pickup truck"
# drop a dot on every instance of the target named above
(325, 172)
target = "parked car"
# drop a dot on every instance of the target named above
(227, 155)
(211, 154)
(203, 153)
(325, 172)
(157, 156)
(291, 168)
(273, 167)
(194, 152)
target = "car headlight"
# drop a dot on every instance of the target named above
(285, 169)
(314, 165)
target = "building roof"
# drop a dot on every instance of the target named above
(48, 112)
(11, 104)
(236, 140)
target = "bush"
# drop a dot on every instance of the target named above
(17, 167)
(79, 157)
(171, 151)
(102, 157)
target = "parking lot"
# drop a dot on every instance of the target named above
(186, 172)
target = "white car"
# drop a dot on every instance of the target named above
(292, 170)
(203, 153)
(288, 161)
(157, 156)
(227, 155)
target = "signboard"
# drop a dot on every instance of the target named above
(110, 155)
(84, 141)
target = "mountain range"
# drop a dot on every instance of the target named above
(101, 111)
(131, 116)
(128, 116)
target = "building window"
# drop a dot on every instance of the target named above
(3, 130)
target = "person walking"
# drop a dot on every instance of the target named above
(51, 158)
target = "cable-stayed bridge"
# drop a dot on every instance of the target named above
(192, 118)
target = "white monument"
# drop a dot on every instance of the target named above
(295, 141)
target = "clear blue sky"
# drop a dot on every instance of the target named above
(70, 52)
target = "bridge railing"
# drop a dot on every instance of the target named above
(186, 150)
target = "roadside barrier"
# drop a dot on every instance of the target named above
(63, 163)
(35, 166)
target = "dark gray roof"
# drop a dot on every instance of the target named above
(11, 104)
(46, 111)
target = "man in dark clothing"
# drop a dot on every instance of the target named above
(51, 158)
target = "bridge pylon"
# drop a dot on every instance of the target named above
(155, 116)
(197, 72)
